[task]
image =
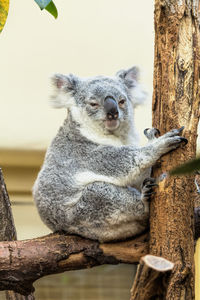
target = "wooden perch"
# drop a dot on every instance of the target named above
(23, 262)
(151, 273)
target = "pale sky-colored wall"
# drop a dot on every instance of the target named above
(90, 37)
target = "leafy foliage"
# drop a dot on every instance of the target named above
(4, 6)
(42, 3)
(187, 168)
(49, 6)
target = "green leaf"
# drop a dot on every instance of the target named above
(42, 3)
(51, 8)
(187, 168)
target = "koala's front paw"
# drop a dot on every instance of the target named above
(174, 132)
(148, 186)
(172, 140)
(151, 133)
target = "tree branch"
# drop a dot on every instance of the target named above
(23, 262)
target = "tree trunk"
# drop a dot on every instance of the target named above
(8, 231)
(7, 227)
(175, 104)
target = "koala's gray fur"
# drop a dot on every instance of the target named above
(91, 182)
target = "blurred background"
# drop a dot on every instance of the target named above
(89, 38)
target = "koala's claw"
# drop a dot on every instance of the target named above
(148, 188)
(148, 180)
(158, 131)
(181, 129)
(178, 141)
(152, 185)
(145, 131)
(148, 195)
(172, 140)
(184, 140)
(151, 133)
(174, 132)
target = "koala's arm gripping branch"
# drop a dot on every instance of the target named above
(122, 162)
(23, 262)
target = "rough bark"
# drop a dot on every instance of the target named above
(152, 271)
(23, 262)
(7, 227)
(8, 231)
(176, 104)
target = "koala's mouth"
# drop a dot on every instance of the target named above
(111, 124)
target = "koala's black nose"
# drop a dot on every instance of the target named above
(111, 108)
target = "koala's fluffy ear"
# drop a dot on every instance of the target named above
(65, 87)
(130, 78)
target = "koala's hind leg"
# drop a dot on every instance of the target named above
(108, 212)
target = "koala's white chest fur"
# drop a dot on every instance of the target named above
(92, 132)
(97, 134)
(135, 179)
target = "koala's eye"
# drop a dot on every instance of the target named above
(121, 102)
(94, 104)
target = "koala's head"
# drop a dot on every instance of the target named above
(103, 102)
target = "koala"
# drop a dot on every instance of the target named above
(95, 178)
